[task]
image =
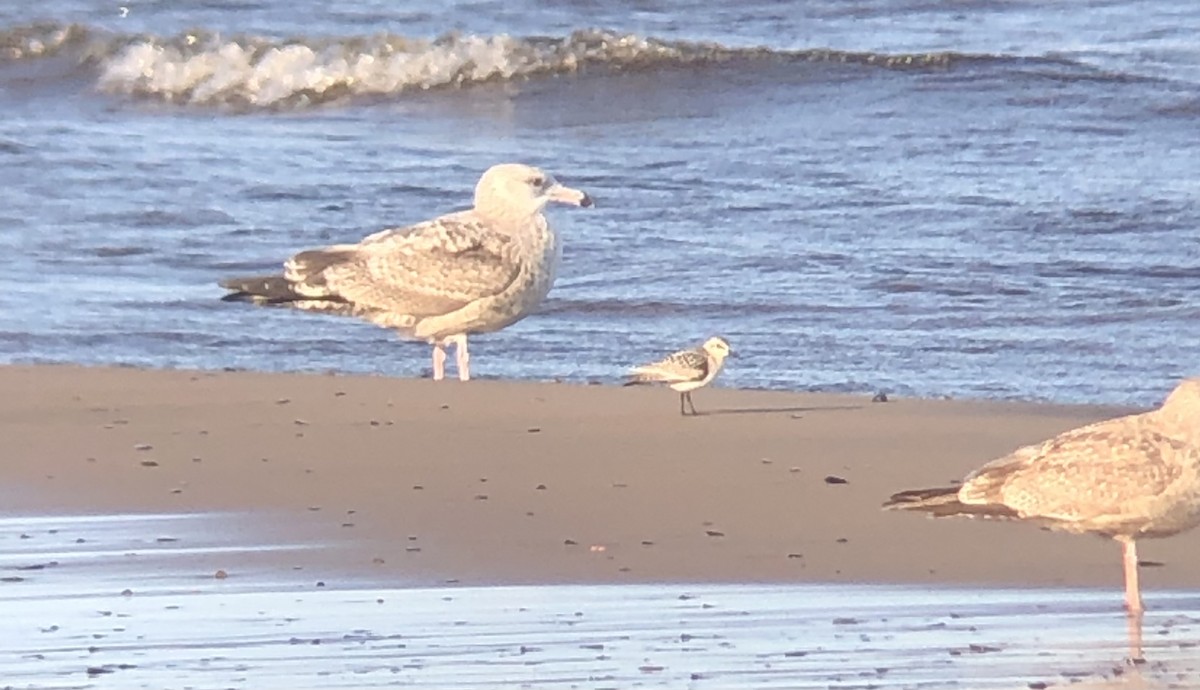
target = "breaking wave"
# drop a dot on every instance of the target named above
(202, 68)
(39, 40)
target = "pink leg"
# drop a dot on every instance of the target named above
(439, 362)
(1133, 594)
(1133, 623)
(461, 356)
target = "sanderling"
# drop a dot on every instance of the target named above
(686, 370)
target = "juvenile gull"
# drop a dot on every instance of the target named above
(472, 271)
(686, 370)
(1124, 478)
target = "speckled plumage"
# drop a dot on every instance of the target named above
(420, 279)
(1125, 478)
(473, 271)
(686, 370)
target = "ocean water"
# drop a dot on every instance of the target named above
(971, 199)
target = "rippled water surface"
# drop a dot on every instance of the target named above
(984, 199)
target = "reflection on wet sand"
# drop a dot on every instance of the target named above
(87, 605)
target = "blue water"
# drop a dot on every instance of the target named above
(984, 199)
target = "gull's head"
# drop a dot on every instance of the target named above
(1180, 412)
(1185, 401)
(516, 190)
(717, 348)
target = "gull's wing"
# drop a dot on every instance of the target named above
(1108, 472)
(428, 269)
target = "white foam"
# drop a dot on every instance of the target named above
(241, 72)
(37, 40)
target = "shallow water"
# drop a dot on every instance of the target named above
(984, 200)
(120, 610)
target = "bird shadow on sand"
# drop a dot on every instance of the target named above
(775, 410)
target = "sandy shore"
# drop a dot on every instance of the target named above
(495, 482)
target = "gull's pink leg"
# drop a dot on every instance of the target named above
(1133, 624)
(439, 362)
(1133, 594)
(461, 356)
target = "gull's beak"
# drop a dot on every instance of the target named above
(567, 195)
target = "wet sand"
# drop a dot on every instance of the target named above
(316, 496)
(110, 608)
(529, 483)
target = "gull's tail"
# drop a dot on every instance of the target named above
(279, 291)
(943, 502)
(302, 285)
(260, 290)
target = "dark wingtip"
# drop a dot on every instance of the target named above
(587, 201)
(920, 499)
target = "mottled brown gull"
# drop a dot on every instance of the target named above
(686, 370)
(472, 271)
(1125, 478)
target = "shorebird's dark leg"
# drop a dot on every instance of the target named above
(691, 405)
(682, 412)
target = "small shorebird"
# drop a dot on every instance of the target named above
(1124, 478)
(473, 271)
(686, 370)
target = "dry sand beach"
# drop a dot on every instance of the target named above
(411, 484)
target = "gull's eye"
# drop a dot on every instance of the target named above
(537, 181)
